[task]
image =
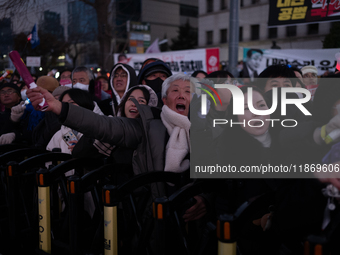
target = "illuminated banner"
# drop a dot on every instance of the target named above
(323, 59)
(186, 61)
(288, 12)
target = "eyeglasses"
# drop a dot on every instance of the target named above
(8, 92)
(122, 75)
(309, 75)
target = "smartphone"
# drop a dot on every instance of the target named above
(68, 137)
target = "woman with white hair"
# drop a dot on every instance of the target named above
(170, 127)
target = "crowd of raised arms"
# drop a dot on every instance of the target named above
(155, 117)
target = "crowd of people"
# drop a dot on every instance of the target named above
(148, 121)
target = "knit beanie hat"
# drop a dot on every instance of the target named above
(156, 69)
(48, 82)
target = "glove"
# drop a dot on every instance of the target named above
(18, 111)
(329, 133)
(333, 124)
(7, 138)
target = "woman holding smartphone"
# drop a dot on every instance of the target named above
(127, 108)
(67, 139)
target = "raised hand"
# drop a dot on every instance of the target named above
(17, 111)
(36, 96)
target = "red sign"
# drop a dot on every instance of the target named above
(212, 60)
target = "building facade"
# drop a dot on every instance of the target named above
(76, 22)
(165, 17)
(213, 28)
(162, 17)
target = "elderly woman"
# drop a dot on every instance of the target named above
(176, 95)
(161, 139)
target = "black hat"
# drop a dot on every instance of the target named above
(154, 67)
(13, 86)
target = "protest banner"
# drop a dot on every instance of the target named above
(291, 12)
(323, 59)
(185, 61)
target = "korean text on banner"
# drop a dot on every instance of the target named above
(185, 61)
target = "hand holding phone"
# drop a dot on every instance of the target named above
(69, 138)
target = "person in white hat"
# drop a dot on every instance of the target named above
(310, 75)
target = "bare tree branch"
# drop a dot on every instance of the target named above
(7, 6)
(104, 9)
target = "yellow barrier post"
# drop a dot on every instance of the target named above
(160, 211)
(44, 208)
(110, 220)
(12, 198)
(226, 236)
(316, 245)
(76, 208)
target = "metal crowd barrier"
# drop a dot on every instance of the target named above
(325, 242)
(46, 179)
(113, 195)
(21, 195)
(10, 147)
(316, 245)
(9, 152)
(168, 214)
(77, 187)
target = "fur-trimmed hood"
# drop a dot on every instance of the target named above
(153, 101)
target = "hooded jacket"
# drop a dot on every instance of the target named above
(106, 148)
(57, 139)
(146, 135)
(153, 101)
(154, 65)
(158, 66)
(109, 106)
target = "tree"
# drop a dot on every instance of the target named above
(101, 7)
(75, 49)
(50, 48)
(332, 40)
(80, 32)
(187, 38)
